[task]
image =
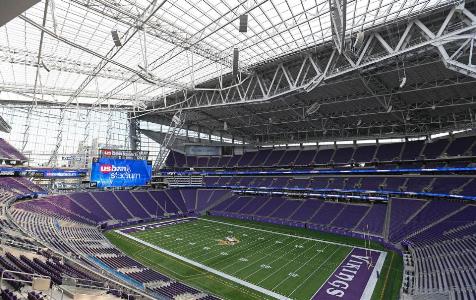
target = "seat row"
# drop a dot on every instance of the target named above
(408, 151)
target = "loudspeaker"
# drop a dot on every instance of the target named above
(359, 40)
(115, 38)
(236, 54)
(244, 23)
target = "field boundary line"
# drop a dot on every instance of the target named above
(327, 279)
(211, 270)
(317, 269)
(372, 282)
(157, 222)
(295, 236)
(287, 262)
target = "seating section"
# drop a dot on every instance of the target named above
(440, 234)
(447, 185)
(343, 155)
(67, 223)
(20, 186)
(345, 216)
(432, 212)
(56, 270)
(410, 220)
(8, 152)
(122, 206)
(445, 266)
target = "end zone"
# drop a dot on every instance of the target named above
(355, 278)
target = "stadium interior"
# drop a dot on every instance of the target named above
(238, 150)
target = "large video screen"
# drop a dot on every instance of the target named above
(113, 172)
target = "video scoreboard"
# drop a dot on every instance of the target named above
(120, 168)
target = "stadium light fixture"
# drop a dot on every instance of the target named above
(147, 79)
(313, 108)
(243, 23)
(176, 119)
(403, 81)
(359, 41)
(115, 38)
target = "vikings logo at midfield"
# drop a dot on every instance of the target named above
(228, 241)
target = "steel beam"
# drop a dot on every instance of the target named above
(62, 64)
(159, 28)
(100, 56)
(338, 9)
(302, 74)
(29, 90)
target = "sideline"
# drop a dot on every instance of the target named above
(294, 236)
(194, 263)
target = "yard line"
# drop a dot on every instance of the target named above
(251, 246)
(156, 223)
(187, 238)
(211, 270)
(280, 257)
(199, 247)
(246, 248)
(240, 247)
(195, 230)
(263, 257)
(312, 273)
(295, 236)
(272, 274)
(246, 256)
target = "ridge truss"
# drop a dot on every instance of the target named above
(452, 34)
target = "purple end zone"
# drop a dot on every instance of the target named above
(349, 280)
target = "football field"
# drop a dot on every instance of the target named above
(273, 264)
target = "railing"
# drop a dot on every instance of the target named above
(131, 281)
(94, 285)
(319, 172)
(10, 242)
(61, 289)
(34, 277)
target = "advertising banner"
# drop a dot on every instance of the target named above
(111, 172)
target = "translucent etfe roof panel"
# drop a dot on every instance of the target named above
(167, 45)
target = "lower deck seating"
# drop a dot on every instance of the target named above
(440, 233)
(66, 231)
(346, 216)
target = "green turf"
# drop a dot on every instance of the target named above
(290, 266)
(388, 287)
(184, 272)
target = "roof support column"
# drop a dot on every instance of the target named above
(338, 21)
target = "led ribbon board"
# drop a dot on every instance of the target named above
(112, 172)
